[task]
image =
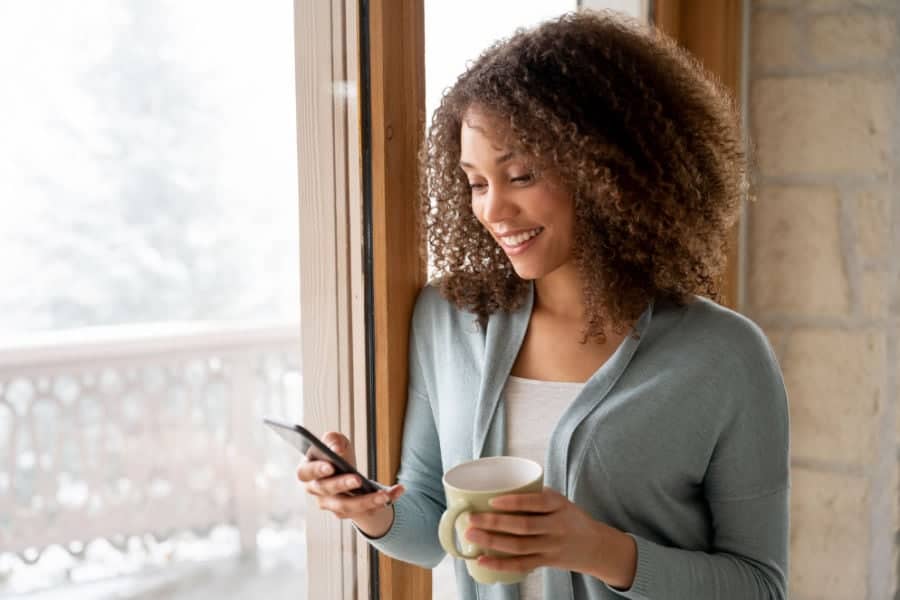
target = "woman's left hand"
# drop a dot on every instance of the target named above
(555, 533)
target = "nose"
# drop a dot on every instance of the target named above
(496, 205)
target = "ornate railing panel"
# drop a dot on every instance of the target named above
(150, 430)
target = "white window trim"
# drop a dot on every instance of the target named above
(331, 269)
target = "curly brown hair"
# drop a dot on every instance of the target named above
(646, 141)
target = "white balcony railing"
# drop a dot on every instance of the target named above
(121, 433)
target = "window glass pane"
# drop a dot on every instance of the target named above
(148, 162)
(150, 311)
(633, 8)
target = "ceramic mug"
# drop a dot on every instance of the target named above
(469, 487)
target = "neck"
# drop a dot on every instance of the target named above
(560, 293)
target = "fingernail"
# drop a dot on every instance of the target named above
(325, 470)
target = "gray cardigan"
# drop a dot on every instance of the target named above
(680, 439)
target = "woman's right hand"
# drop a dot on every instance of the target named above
(370, 512)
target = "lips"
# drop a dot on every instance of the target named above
(520, 241)
(517, 239)
(514, 241)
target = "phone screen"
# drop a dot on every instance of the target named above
(293, 437)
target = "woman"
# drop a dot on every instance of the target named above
(579, 182)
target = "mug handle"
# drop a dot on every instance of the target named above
(447, 530)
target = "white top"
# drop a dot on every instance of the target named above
(532, 410)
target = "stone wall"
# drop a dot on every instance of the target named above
(823, 276)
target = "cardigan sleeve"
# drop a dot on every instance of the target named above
(748, 561)
(413, 535)
(746, 487)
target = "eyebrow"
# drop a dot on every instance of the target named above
(499, 161)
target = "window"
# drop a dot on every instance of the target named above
(148, 171)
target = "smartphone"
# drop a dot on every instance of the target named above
(315, 449)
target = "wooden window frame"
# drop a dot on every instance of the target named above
(713, 30)
(397, 109)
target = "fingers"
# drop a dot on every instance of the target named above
(320, 481)
(332, 486)
(546, 501)
(515, 564)
(339, 443)
(516, 524)
(511, 544)
(395, 491)
(314, 469)
(347, 507)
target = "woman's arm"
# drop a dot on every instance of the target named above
(747, 489)
(411, 529)
(748, 561)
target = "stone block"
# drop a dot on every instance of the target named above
(839, 39)
(834, 124)
(873, 222)
(874, 295)
(796, 265)
(836, 384)
(826, 5)
(777, 339)
(776, 41)
(894, 304)
(829, 535)
(896, 367)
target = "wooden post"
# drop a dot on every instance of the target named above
(711, 30)
(397, 88)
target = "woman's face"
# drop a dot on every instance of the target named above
(531, 219)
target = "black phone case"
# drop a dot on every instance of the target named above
(341, 466)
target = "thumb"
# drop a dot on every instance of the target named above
(338, 443)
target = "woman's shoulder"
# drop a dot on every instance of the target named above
(707, 327)
(712, 316)
(443, 337)
(430, 303)
(434, 311)
(430, 295)
(728, 351)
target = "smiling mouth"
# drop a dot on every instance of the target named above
(513, 242)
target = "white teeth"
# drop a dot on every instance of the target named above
(518, 240)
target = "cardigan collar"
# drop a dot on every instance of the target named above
(504, 336)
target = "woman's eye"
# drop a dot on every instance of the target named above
(523, 179)
(476, 186)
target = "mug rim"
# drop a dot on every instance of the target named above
(538, 476)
